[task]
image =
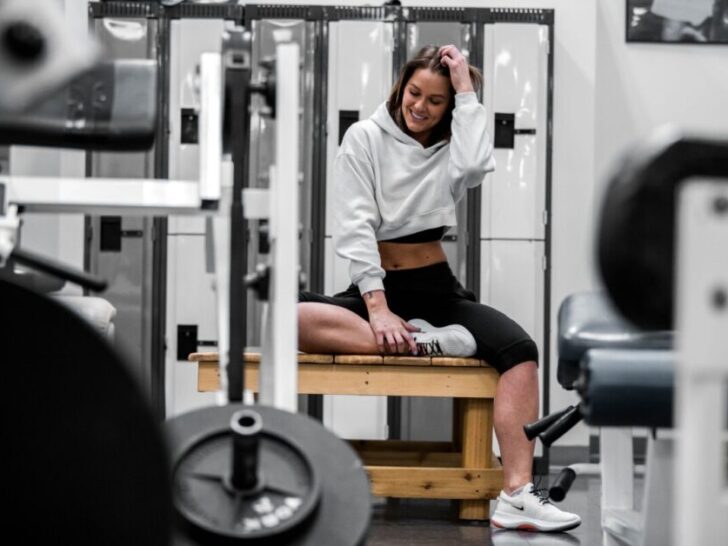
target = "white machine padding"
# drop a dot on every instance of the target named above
(97, 311)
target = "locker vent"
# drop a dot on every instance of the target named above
(518, 15)
(154, 10)
(438, 14)
(98, 10)
(264, 11)
(364, 12)
(206, 11)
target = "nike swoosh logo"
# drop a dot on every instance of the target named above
(517, 507)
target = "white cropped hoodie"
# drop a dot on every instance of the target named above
(387, 185)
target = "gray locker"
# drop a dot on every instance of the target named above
(123, 250)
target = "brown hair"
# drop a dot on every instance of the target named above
(427, 57)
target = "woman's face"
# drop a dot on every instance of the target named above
(424, 103)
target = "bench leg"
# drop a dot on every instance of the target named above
(477, 434)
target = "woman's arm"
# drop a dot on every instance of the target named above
(357, 218)
(471, 149)
(391, 331)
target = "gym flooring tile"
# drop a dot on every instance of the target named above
(410, 522)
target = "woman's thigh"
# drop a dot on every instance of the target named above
(353, 303)
(501, 341)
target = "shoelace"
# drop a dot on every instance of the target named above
(429, 348)
(541, 494)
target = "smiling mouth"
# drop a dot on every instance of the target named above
(416, 117)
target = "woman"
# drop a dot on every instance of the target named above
(398, 177)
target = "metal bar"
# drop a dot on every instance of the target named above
(58, 269)
(157, 301)
(399, 59)
(318, 200)
(210, 127)
(546, 353)
(120, 196)
(315, 403)
(279, 380)
(473, 254)
(701, 369)
(237, 80)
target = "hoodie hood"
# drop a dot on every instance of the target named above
(384, 121)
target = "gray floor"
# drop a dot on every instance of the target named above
(425, 522)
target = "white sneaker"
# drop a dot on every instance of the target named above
(450, 340)
(530, 511)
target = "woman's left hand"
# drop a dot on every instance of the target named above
(451, 57)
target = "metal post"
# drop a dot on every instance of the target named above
(701, 378)
(237, 80)
(278, 373)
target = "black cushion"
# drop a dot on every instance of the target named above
(588, 321)
(628, 388)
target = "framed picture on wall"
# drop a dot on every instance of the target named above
(678, 21)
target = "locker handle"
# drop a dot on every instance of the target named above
(111, 234)
(187, 342)
(505, 131)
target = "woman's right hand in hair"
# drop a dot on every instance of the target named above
(456, 62)
(393, 334)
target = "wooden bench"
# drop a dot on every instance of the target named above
(463, 469)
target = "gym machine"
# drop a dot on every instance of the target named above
(87, 458)
(650, 351)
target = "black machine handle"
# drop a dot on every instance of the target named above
(562, 425)
(561, 486)
(537, 427)
(58, 269)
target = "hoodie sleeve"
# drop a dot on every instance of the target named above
(357, 218)
(471, 149)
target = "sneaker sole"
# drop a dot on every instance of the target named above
(534, 527)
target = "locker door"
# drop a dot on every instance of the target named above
(127, 262)
(513, 212)
(359, 80)
(514, 196)
(191, 297)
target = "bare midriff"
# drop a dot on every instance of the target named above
(396, 256)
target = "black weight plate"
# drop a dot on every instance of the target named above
(637, 224)
(343, 513)
(288, 492)
(83, 457)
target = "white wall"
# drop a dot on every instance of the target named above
(643, 86)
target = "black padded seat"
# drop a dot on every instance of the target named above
(588, 321)
(628, 388)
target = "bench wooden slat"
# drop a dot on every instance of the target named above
(372, 380)
(436, 483)
(457, 361)
(387, 360)
(399, 445)
(358, 359)
(411, 459)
